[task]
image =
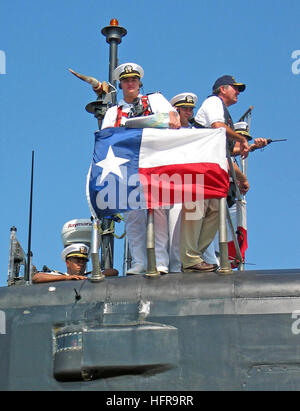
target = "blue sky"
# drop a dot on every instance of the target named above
(182, 46)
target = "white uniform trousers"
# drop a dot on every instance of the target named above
(136, 230)
(167, 237)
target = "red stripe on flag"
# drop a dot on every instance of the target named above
(243, 243)
(169, 184)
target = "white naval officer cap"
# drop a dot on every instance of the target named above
(184, 100)
(75, 250)
(242, 128)
(126, 70)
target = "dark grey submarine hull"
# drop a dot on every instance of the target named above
(178, 332)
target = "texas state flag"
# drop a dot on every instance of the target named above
(238, 214)
(152, 168)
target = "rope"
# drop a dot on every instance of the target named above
(111, 229)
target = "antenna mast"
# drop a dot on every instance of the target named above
(29, 254)
(113, 34)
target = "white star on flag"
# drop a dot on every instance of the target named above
(111, 164)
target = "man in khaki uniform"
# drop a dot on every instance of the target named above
(197, 233)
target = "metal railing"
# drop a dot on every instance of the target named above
(224, 222)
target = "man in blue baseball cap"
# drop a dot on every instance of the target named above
(228, 80)
(213, 112)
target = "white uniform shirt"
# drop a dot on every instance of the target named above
(211, 111)
(157, 102)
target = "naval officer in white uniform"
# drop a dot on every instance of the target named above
(131, 105)
(76, 257)
(184, 104)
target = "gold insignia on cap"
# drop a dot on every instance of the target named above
(83, 250)
(189, 99)
(128, 69)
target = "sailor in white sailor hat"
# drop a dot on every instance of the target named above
(135, 104)
(185, 104)
(167, 221)
(76, 257)
(242, 128)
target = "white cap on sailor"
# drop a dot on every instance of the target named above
(242, 128)
(75, 250)
(126, 70)
(184, 100)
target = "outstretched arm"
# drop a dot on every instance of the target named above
(48, 277)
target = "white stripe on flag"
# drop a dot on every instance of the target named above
(183, 146)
